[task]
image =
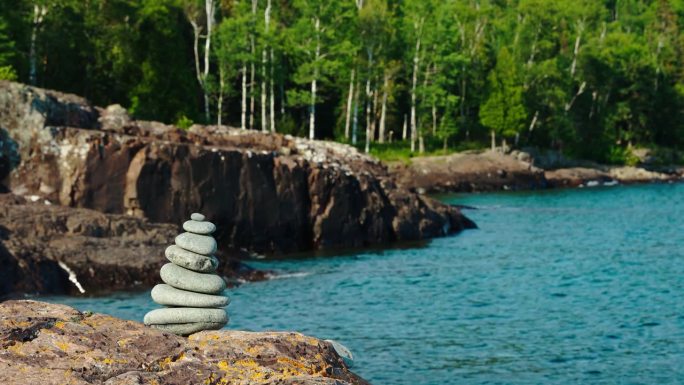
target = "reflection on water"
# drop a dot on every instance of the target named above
(574, 286)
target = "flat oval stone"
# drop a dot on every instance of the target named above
(170, 296)
(200, 244)
(184, 315)
(199, 227)
(189, 328)
(197, 217)
(189, 260)
(185, 279)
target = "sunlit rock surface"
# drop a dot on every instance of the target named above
(265, 192)
(43, 343)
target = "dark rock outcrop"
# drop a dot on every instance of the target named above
(469, 172)
(42, 343)
(265, 192)
(496, 171)
(53, 249)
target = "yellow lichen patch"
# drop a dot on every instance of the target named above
(253, 350)
(63, 346)
(223, 365)
(294, 368)
(166, 362)
(59, 324)
(108, 361)
(16, 348)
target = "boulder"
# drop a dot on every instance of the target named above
(43, 343)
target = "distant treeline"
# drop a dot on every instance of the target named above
(592, 78)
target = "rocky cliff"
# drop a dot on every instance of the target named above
(265, 192)
(42, 343)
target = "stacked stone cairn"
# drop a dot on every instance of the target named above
(191, 290)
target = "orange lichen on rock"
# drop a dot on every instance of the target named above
(93, 349)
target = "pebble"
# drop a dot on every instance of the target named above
(200, 244)
(197, 227)
(185, 279)
(183, 315)
(170, 296)
(197, 217)
(192, 261)
(188, 328)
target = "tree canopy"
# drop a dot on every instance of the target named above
(589, 78)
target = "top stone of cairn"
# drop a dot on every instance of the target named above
(197, 217)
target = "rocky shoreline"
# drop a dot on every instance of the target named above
(267, 193)
(496, 171)
(56, 344)
(50, 249)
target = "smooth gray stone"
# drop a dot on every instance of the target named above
(184, 315)
(189, 328)
(200, 244)
(197, 217)
(189, 260)
(196, 227)
(185, 279)
(170, 296)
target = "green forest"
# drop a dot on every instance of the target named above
(590, 78)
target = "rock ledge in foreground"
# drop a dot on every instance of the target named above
(42, 343)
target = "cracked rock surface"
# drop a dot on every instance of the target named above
(42, 343)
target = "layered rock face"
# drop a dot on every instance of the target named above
(42, 343)
(266, 192)
(63, 250)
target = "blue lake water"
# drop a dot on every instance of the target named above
(557, 287)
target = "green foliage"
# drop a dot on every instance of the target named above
(504, 111)
(589, 78)
(7, 73)
(184, 122)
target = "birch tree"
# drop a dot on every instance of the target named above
(314, 39)
(202, 18)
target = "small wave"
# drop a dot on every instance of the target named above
(300, 274)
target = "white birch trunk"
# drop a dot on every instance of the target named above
(383, 110)
(252, 69)
(312, 113)
(350, 100)
(272, 94)
(368, 98)
(368, 107)
(355, 118)
(264, 118)
(414, 81)
(219, 108)
(264, 122)
(580, 29)
(404, 128)
(534, 121)
(243, 105)
(210, 8)
(251, 90)
(39, 13)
